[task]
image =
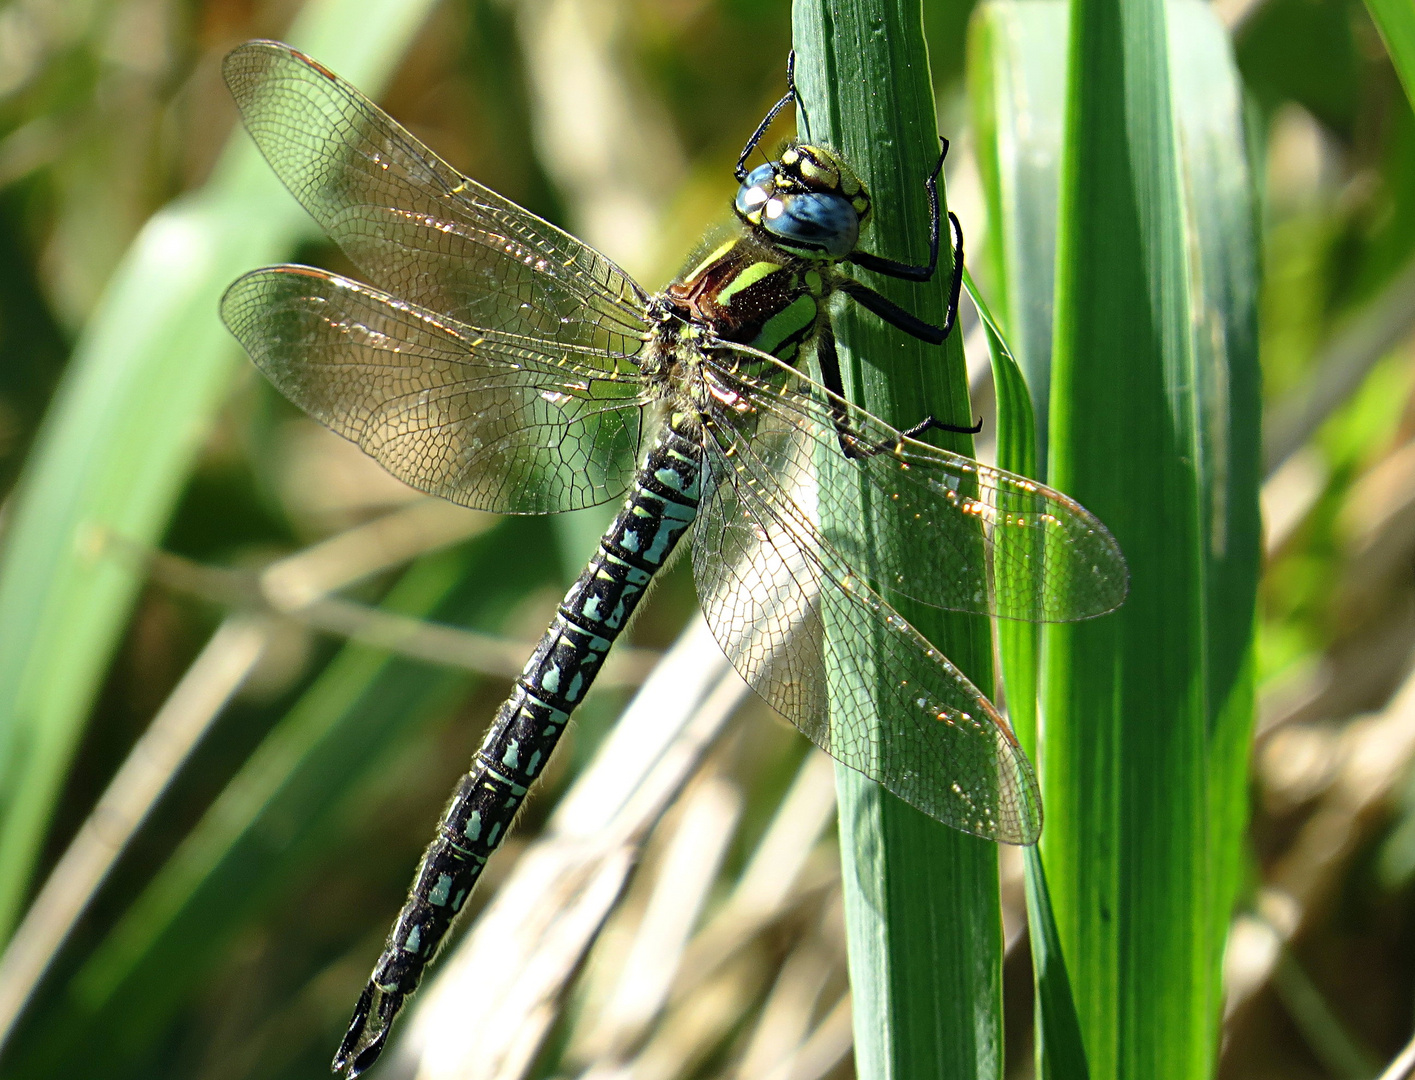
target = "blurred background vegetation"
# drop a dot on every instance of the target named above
(232, 934)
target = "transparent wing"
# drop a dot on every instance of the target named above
(830, 654)
(498, 421)
(962, 536)
(414, 225)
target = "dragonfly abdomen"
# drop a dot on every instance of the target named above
(661, 505)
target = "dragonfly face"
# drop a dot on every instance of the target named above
(808, 202)
(498, 362)
(768, 288)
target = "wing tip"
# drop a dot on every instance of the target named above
(265, 275)
(1029, 833)
(245, 67)
(1027, 806)
(1108, 577)
(1117, 574)
(247, 57)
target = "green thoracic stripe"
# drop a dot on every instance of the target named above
(710, 258)
(745, 279)
(790, 325)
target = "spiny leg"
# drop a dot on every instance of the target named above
(852, 444)
(786, 99)
(892, 313)
(909, 271)
(895, 315)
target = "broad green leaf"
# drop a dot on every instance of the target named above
(1153, 409)
(1154, 402)
(1222, 241)
(1124, 698)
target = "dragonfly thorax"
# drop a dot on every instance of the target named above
(753, 293)
(672, 357)
(808, 203)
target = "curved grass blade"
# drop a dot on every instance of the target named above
(1021, 163)
(1060, 1051)
(1018, 643)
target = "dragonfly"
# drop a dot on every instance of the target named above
(496, 361)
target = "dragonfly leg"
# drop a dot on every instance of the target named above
(931, 423)
(772, 113)
(892, 313)
(909, 271)
(852, 443)
(895, 315)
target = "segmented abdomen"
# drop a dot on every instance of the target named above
(661, 504)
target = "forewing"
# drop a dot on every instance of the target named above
(498, 421)
(960, 535)
(418, 228)
(830, 654)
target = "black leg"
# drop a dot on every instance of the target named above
(851, 444)
(892, 313)
(908, 271)
(897, 317)
(929, 423)
(786, 99)
(955, 288)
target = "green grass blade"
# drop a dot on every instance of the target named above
(1016, 69)
(146, 378)
(1124, 700)
(922, 907)
(1061, 1050)
(1018, 642)
(1396, 21)
(1119, 903)
(1223, 240)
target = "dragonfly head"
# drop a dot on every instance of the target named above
(808, 202)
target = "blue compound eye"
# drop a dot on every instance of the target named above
(761, 176)
(813, 222)
(756, 189)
